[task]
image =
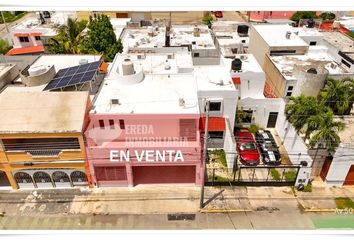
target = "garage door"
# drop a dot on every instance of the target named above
(163, 174)
(349, 180)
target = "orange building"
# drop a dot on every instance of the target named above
(41, 139)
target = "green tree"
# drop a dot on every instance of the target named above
(327, 16)
(208, 20)
(69, 37)
(303, 15)
(312, 117)
(327, 131)
(101, 38)
(338, 95)
(4, 46)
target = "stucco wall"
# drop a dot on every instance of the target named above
(257, 46)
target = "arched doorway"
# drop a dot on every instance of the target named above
(4, 181)
(78, 178)
(61, 179)
(42, 180)
(24, 180)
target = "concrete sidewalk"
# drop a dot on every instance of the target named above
(155, 199)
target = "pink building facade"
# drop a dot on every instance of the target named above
(133, 149)
(261, 16)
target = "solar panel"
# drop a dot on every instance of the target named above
(73, 75)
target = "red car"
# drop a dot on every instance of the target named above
(247, 148)
(218, 14)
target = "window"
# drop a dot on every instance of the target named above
(216, 134)
(313, 43)
(289, 91)
(23, 39)
(214, 106)
(271, 13)
(38, 38)
(111, 123)
(121, 124)
(345, 63)
(196, 54)
(282, 52)
(101, 123)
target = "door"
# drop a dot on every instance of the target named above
(110, 175)
(163, 174)
(272, 119)
(325, 168)
(4, 181)
(349, 180)
(121, 15)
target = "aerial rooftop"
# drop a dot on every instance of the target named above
(183, 35)
(32, 24)
(340, 41)
(143, 37)
(44, 112)
(118, 25)
(286, 64)
(275, 35)
(152, 86)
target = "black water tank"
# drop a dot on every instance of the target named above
(46, 14)
(236, 64)
(312, 71)
(311, 23)
(242, 29)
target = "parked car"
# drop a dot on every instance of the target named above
(268, 147)
(247, 148)
(218, 14)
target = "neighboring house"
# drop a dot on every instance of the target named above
(8, 73)
(262, 16)
(275, 40)
(340, 48)
(41, 139)
(31, 35)
(134, 16)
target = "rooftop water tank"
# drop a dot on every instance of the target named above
(83, 61)
(127, 67)
(37, 70)
(236, 64)
(312, 71)
(311, 23)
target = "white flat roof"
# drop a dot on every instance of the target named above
(158, 93)
(249, 63)
(274, 35)
(340, 41)
(44, 112)
(183, 35)
(286, 64)
(139, 38)
(118, 25)
(32, 24)
(61, 61)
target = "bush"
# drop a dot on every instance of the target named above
(308, 188)
(290, 176)
(254, 128)
(4, 46)
(344, 202)
(303, 15)
(220, 153)
(208, 20)
(327, 16)
(275, 174)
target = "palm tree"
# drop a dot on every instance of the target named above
(300, 109)
(69, 37)
(338, 95)
(327, 131)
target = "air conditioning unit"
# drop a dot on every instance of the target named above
(169, 56)
(115, 101)
(141, 56)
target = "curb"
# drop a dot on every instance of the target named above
(224, 210)
(307, 209)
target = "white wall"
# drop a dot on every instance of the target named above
(252, 84)
(229, 105)
(294, 145)
(342, 160)
(261, 108)
(229, 146)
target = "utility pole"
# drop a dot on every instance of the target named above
(3, 19)
(205, 153)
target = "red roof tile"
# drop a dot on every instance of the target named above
(236, 80)
(25, 50)
(214, 124)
